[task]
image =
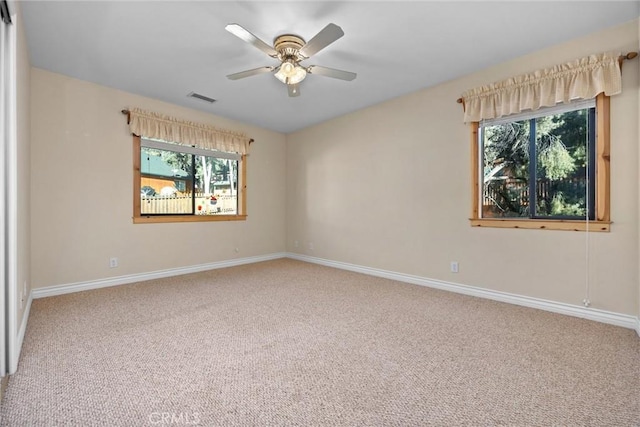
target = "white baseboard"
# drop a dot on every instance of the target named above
(140, 277)
(21, 332)
(624, 320)
(597, 315)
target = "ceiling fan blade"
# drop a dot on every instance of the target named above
(331, 72)
(294, 90)
(249, 73)
(324, 38)
(240, 32)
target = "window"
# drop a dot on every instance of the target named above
(547, 169)
(178, 183)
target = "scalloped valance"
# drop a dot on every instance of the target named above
(583, 78)
(158, 126)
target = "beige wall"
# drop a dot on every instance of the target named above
(388, 187)
(23, 165)
(81, 184)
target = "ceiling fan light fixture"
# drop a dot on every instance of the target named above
(291, 73)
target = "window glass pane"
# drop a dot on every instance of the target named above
(561, 164)
(165, 182)
(216, 186)
(505, 170)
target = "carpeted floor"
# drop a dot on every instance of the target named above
(289, 343)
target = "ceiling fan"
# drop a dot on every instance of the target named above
(290, 50)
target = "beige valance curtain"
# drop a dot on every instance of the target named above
(583, 78)
(158, 126)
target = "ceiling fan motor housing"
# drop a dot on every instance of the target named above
(288, 47)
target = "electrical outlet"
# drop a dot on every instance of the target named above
(113, 262)
(296, 244)
(310, 246)
(454, 266)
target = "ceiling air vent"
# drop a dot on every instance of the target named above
(201, 97)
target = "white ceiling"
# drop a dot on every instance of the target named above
(166, 50)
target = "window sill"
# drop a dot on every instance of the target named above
(543, 224)
(186, 218)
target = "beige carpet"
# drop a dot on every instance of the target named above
(286, 343)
